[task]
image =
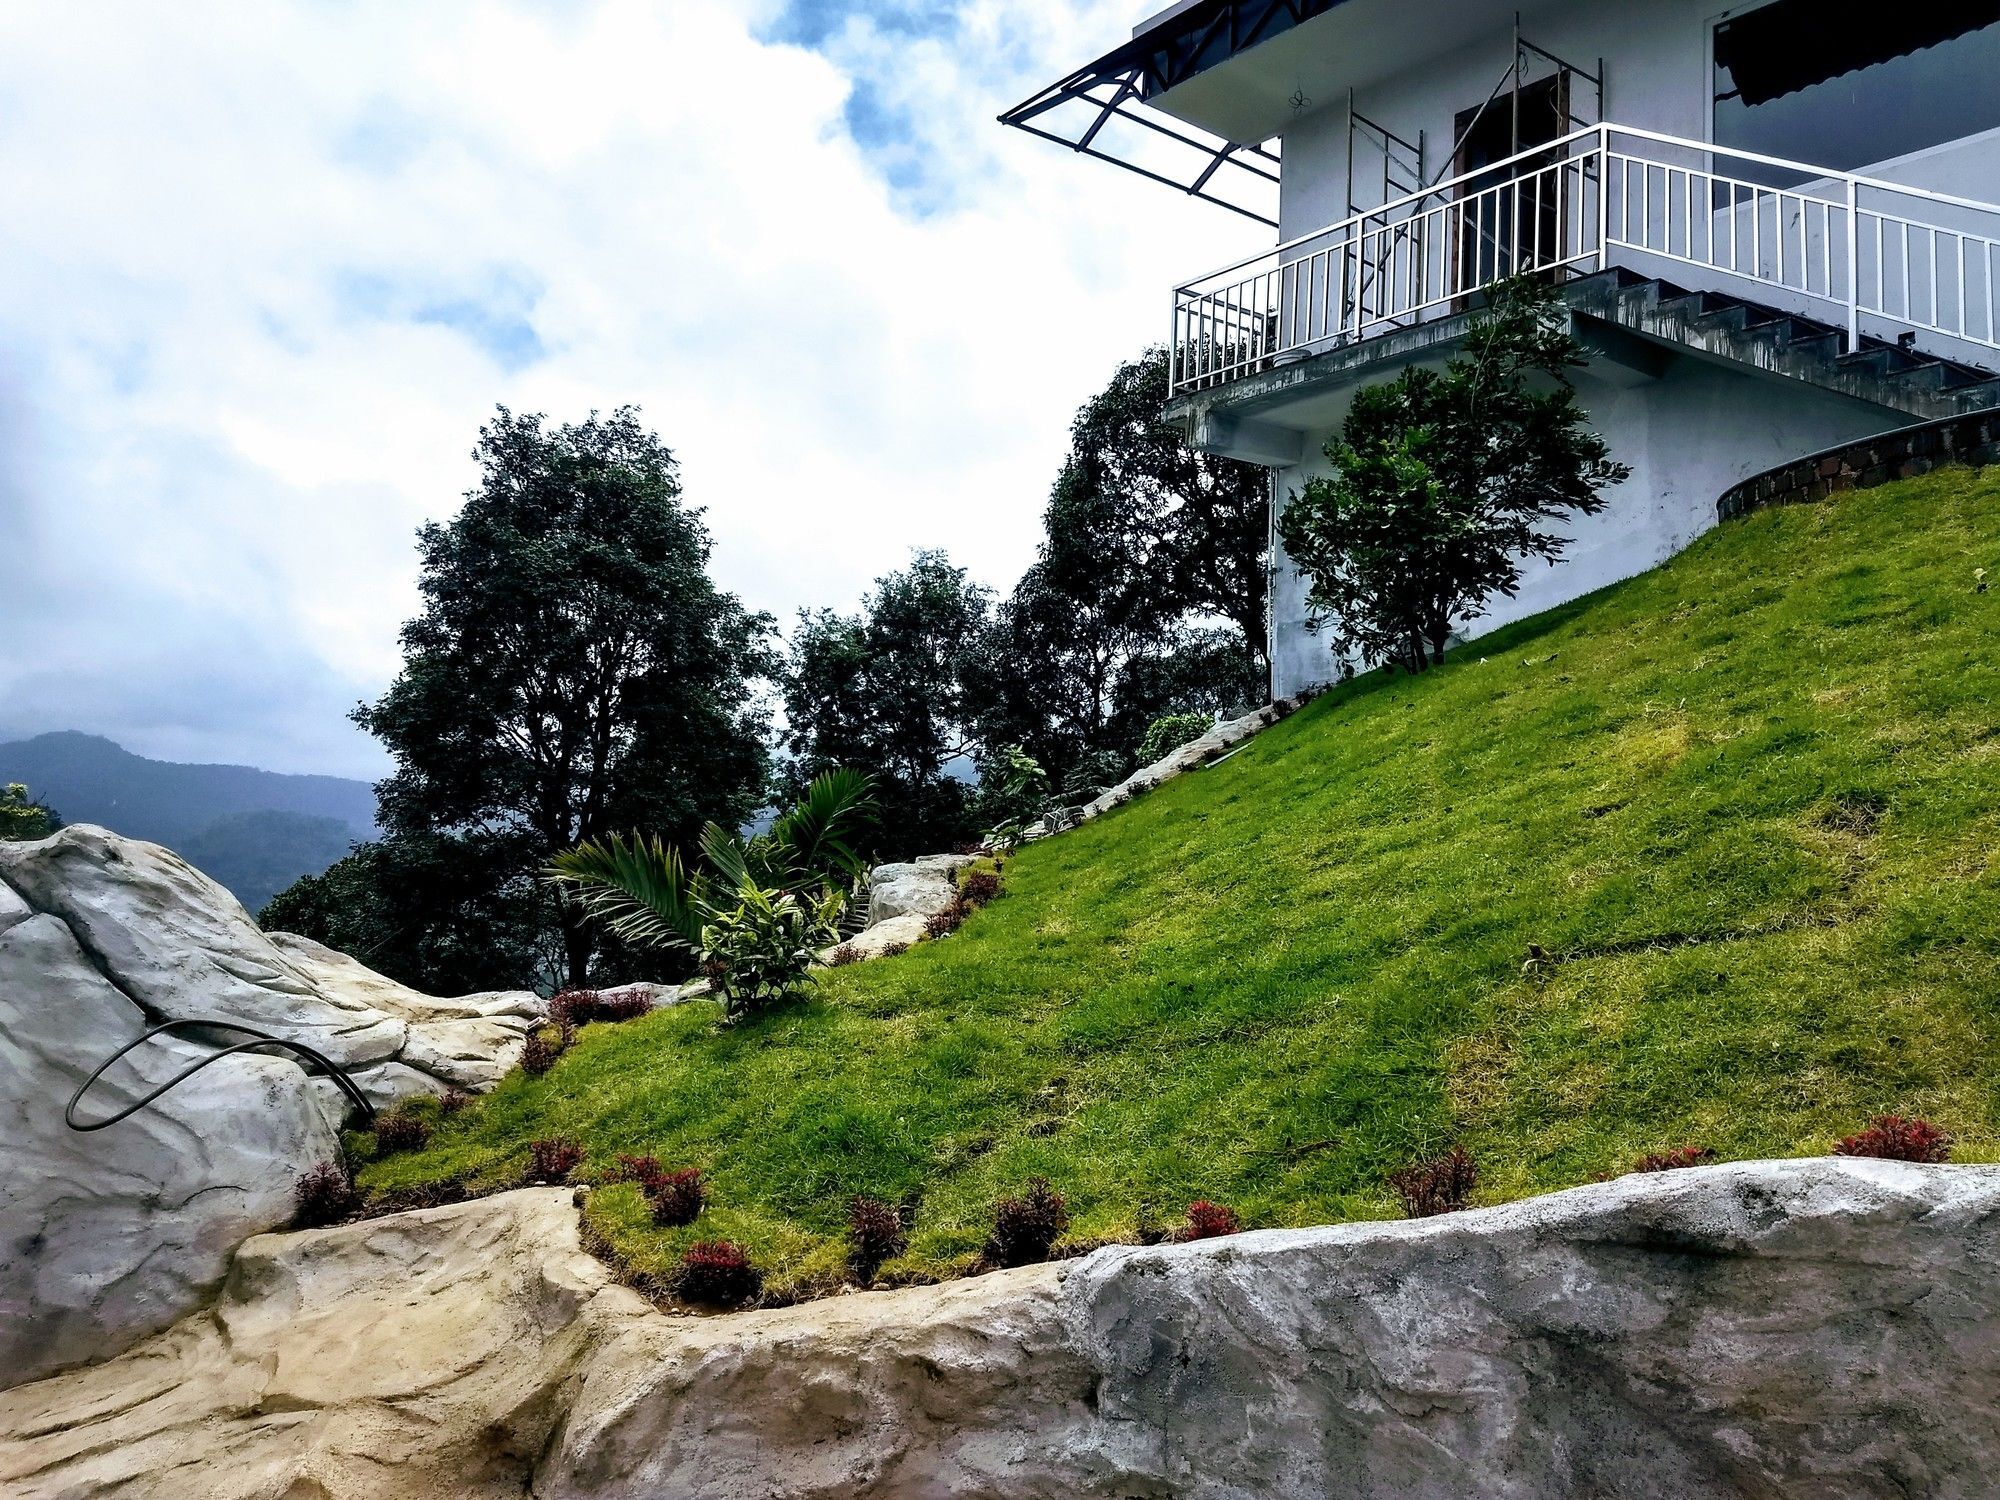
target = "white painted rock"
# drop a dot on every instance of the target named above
(180, 946)
(1802, 1328)
(923, 887)
(426, 1354)
(109, 1236)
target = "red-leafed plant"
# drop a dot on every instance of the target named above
(645, 1171)
(1440, 1186)
(1898, 1138)
(552, 1159)
(716, 1273)
(451, 1101)
(979, 887)
(842, 956)
(573, 1008)
(1676, 1160)
(401, 1129)
(325, 1195)
(874, 1235)
(1209, 1221)
(1026, 1228)
(677, 1197)
(940, 924)
(545, 1047)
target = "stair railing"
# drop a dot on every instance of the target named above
(1864, 252)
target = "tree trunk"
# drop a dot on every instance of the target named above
(578, 943)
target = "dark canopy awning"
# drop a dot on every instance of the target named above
(1794, 44)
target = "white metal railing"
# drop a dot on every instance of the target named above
(1841, 247)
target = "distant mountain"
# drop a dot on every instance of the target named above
(254, 831)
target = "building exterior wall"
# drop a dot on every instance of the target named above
(1689, 436)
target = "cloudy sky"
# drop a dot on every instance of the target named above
(265, 266)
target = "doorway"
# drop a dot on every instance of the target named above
(1500, 231)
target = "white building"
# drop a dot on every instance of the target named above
(1774, 223)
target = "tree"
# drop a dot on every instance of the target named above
(1444, 481)
(1163, 529)
(885, 692)
(574, 671)
(22, 819)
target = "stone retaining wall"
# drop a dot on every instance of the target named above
(1902, 454)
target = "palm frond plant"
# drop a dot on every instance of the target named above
(755, 915)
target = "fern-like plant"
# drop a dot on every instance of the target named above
(753, 915)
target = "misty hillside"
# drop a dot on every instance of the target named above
(255, 831)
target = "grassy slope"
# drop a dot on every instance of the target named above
(1747, 803)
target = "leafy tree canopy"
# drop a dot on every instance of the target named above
(1444, 481)
(885, 691)
(573, 671)
(21, 818)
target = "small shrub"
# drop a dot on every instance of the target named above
(1442, 1186)
(545, 1047)
(1896, 1138)
(942, 924)
(842, 956)
(978, 888)
(645, 1171)
(325, 1195)
(1209, 1221)
(1676, 1160)
(1026, 1228)
(452, 1101)
(552, 1159)
(716, 1273)
(677, 1197)
(895, 950)
(574, 1008)
(874, 1235)
(1168, 734)
(401, 1129)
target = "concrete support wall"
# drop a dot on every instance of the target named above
(1701, 428)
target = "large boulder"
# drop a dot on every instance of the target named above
(112, 1235)
(180, 946)
(922, 887)
(426, 1354)
(109, 1236)
(1809, 1328)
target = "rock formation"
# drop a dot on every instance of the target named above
(1811, 1328)
(922, 888)
(109, 1236)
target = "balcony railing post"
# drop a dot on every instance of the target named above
(1853, 266)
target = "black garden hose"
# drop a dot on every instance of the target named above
(264, 1039)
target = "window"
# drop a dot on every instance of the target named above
(1843, 85)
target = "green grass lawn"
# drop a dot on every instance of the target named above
(1746, 805)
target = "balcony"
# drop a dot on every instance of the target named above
(1876, 259)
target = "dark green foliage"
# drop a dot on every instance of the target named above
(573, 671)
(885, 691)
(1166, 735)
(1443, 1185)
(1146, 543)
(1444, 480)
(874, 1234)
(22, 819)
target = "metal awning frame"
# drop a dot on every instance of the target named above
(1097, 97)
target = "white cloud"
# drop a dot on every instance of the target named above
(265, 268)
